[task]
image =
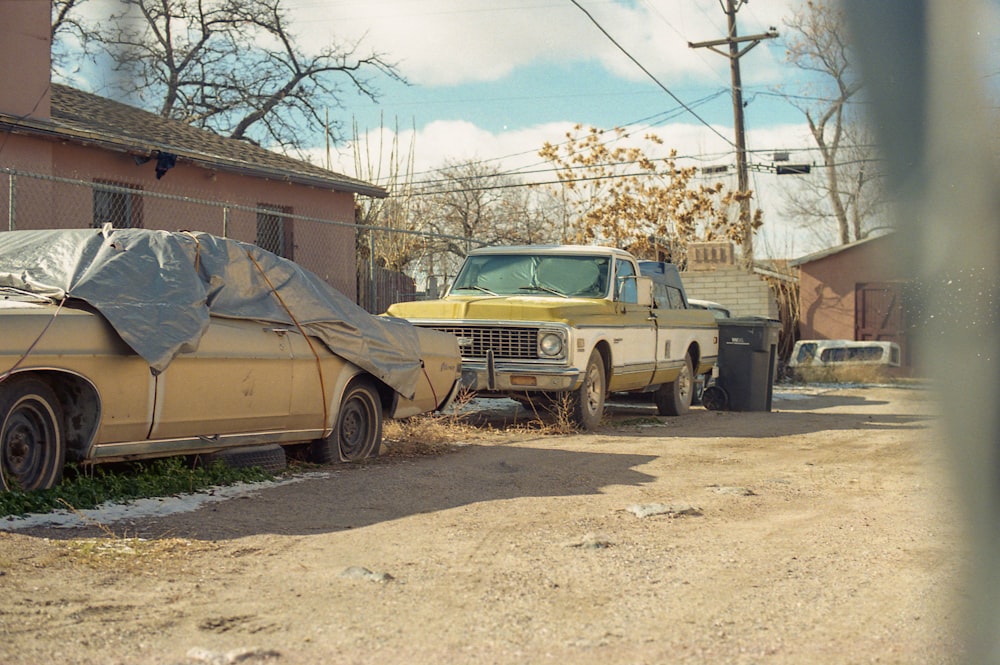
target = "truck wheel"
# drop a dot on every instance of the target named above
(674, 399)
(588, 400)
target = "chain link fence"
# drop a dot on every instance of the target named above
(346, 255)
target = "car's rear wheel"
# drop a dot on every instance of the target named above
(674, 398)
(32, 448)
(357, 434)
(588, 399)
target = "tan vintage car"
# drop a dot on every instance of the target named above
(130, 344)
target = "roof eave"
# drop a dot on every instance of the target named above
(16, 125)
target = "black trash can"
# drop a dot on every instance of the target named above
(748, 362)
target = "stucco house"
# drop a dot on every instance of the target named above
(71, 159)
(855, 291)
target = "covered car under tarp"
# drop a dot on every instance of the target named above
(158, 290)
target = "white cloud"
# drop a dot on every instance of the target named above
(443, 42)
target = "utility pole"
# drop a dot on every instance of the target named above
(734, 53)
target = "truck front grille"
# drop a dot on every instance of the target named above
(506, 343)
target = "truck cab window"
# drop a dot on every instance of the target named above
(625, 289)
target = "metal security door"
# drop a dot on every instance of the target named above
(880, 314)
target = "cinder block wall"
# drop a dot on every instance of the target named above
(743, 293)
(712, 274)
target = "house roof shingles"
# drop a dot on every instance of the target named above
(89, 118)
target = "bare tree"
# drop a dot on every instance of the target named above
(651, 206)
(468, 204)
(393, 239)
(232, 66)
(465, 201)
(849, 193)
(69, 32)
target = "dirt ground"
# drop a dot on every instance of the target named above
(824, 531)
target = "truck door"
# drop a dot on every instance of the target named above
(670, 336)
(634, 342)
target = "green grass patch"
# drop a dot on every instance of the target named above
(89, 487)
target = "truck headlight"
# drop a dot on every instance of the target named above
(550, 344)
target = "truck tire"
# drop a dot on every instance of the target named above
(588, 399)
(674, 398)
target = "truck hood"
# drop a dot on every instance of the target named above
(503, 308)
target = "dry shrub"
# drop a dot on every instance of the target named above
(842, 374)
(427, 434)
(435, 434)
(560, 411)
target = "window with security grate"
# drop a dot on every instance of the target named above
(118, 204)
(274, 229)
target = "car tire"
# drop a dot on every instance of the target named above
(674, 398)
(32, 444)
(357, 434)
(588, 399)
(270, 458)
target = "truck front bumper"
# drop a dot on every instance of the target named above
(493, 377)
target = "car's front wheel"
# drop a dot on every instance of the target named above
(357, 434)
(32, 448)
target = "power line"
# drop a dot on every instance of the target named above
(756, 168)
(650, 75)
(641, 125)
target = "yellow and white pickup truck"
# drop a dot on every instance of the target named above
(537, 321)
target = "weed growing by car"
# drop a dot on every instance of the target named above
(91, 486)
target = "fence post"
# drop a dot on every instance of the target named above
(11, 208)
(225, 221)
(372, 282)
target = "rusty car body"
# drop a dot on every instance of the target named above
(120, 344)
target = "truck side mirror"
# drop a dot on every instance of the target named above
(644, 285)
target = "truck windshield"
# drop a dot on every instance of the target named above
(545, 275)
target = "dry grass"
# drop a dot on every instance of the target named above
(435, 434)
(556, 416)
(427, 434)
(843, 374)
(122, 553)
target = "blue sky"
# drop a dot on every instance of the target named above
(511, 64)
(495, 79)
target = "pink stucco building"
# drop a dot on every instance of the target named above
(141, 169)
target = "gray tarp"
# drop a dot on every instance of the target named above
(157, 289)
